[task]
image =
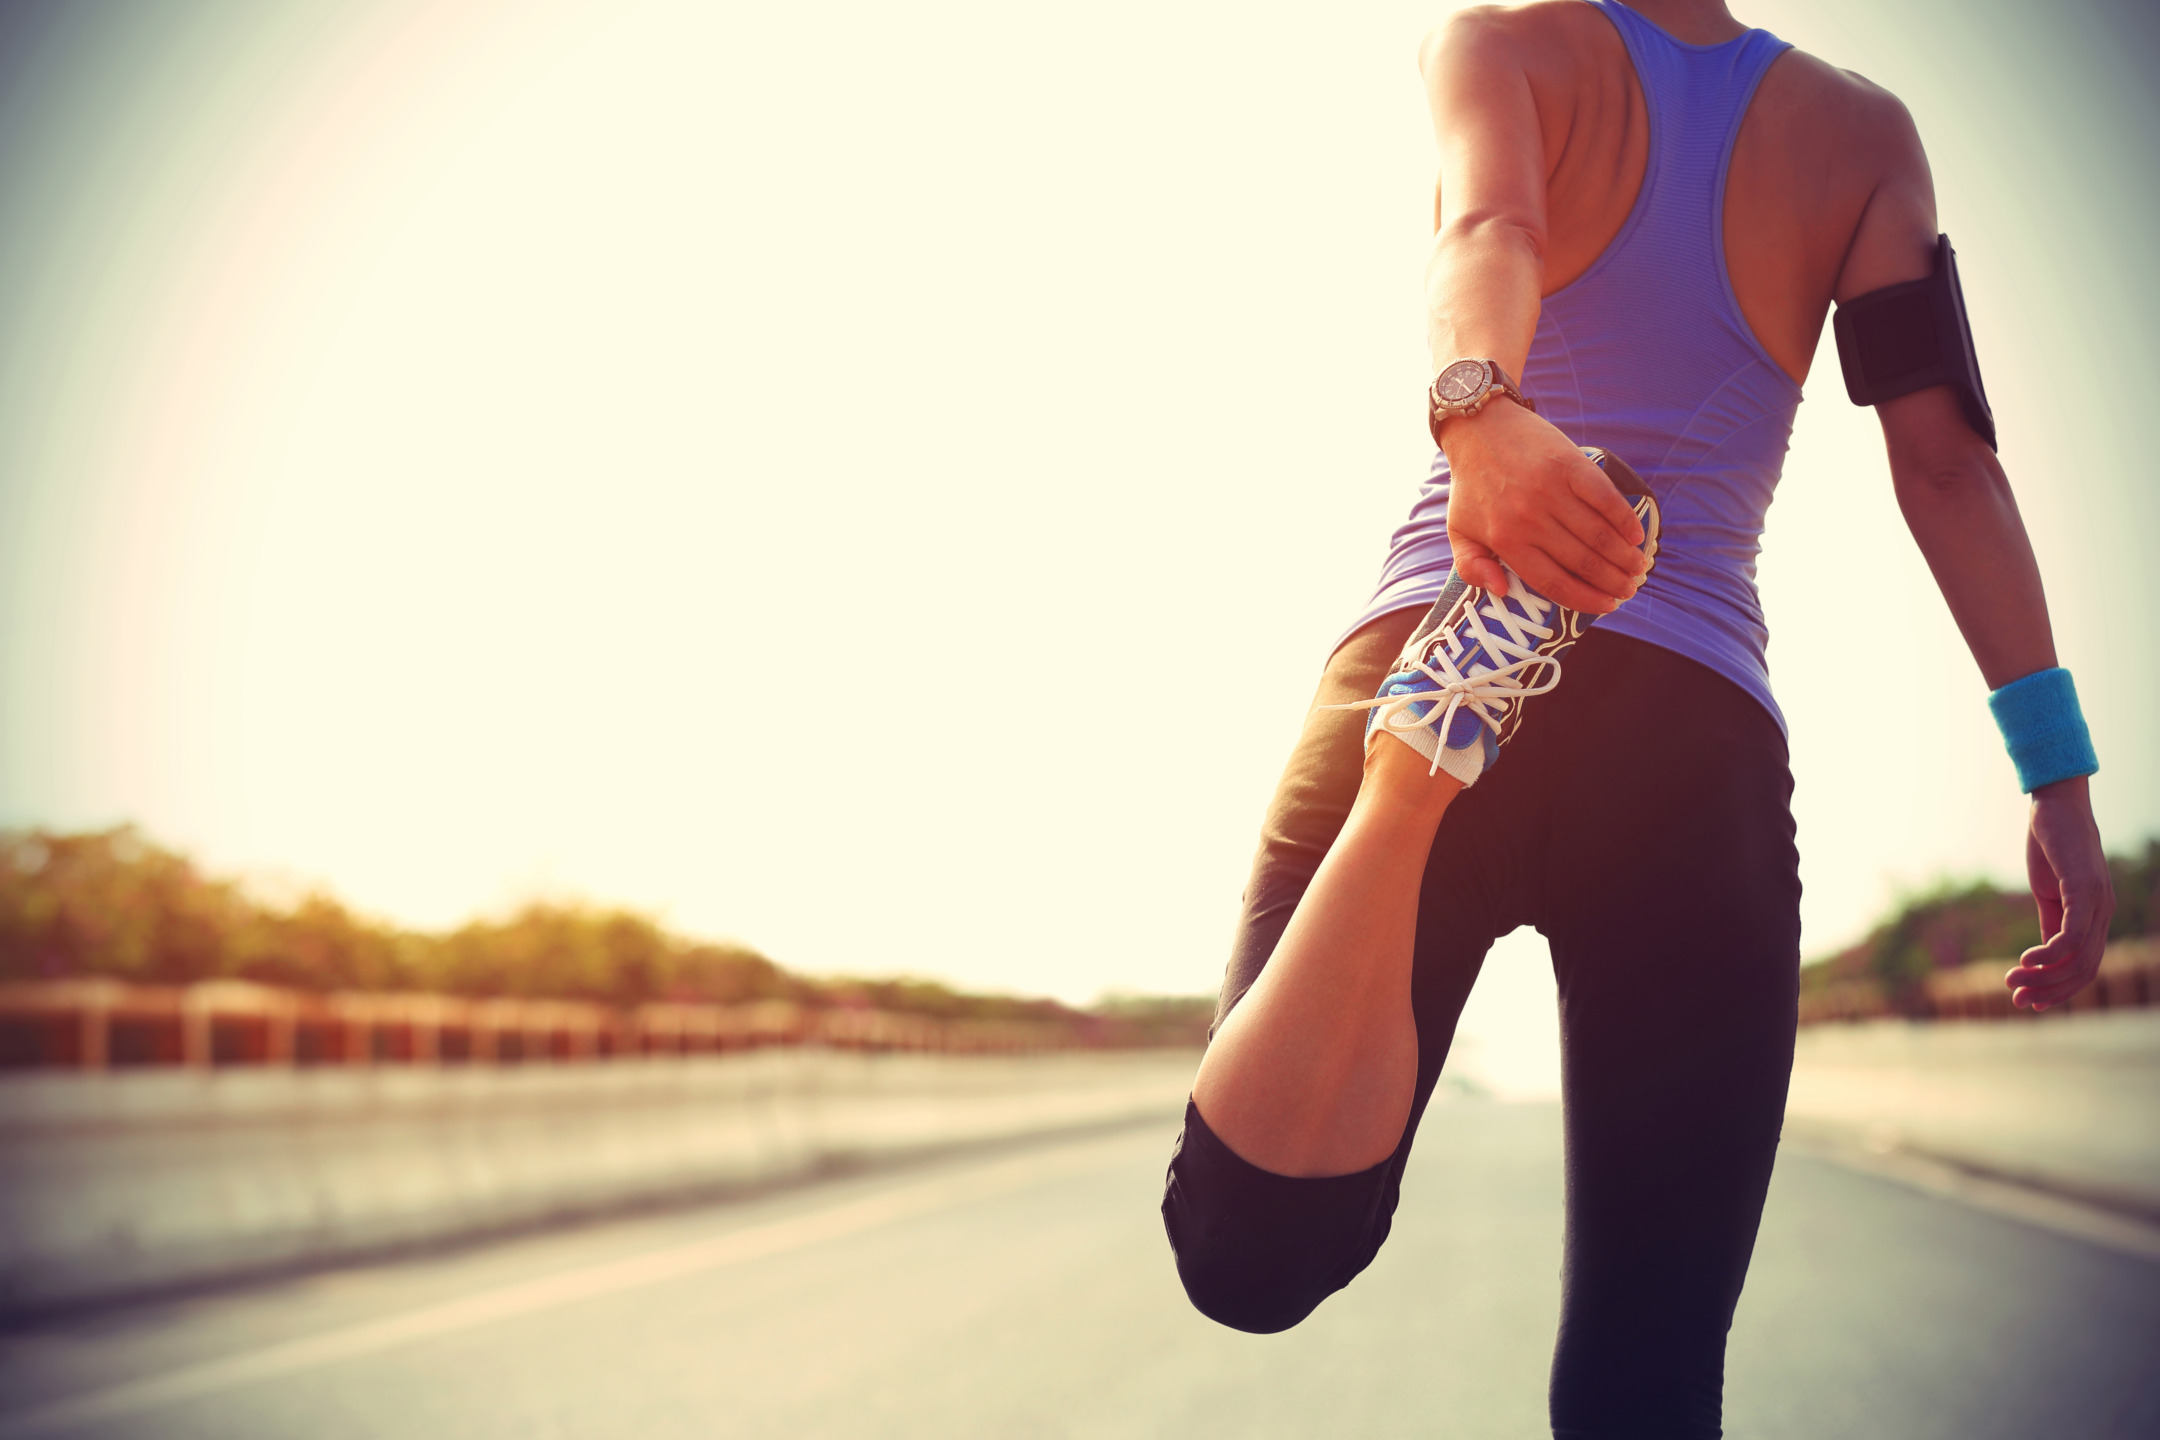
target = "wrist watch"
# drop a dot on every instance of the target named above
(1464, 387)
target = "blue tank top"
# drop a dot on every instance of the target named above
(1646, 354)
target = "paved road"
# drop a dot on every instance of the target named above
(1028, 1293)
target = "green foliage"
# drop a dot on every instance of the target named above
(109, 903)
(1157, 1019)
(1952, 926)
(732, 975)
(928, 997)
(2137, 893)
(1957, 923)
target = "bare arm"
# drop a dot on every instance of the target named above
(1520, 492)
(1957, 502)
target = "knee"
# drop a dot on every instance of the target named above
(1243, 1286)
(1257, 1251)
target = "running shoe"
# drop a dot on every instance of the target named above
(1457, 693)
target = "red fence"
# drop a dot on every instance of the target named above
(96, 1024)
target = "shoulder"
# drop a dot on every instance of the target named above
(1852, 146)
(1849, 115)
(1544, 30)
(1869, 150)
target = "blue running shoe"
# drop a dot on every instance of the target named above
(1457, 692)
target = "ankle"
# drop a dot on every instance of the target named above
(1398, 777)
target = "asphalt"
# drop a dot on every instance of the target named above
(1028, 1292)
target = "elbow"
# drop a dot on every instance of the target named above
(1953, 478)
(1952, 485)
(1492, 228)
(1945, 478)
(1936, 458)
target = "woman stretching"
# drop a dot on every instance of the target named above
(1645, 213)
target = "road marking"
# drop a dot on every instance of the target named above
(567, 1288)
(2106, 1228)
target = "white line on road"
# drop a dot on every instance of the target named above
(2105, 1228)
(571, 1286)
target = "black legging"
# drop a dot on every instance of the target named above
(1640, 820)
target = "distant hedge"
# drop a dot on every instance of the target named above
(110, 903)
(1956, 924)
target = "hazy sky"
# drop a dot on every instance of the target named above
(879, 481)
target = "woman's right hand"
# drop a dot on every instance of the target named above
(1522, 493)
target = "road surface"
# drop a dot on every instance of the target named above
(1027, 1292)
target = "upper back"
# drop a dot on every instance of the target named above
(1694, 202)
(1815, 147)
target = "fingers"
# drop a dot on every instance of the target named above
(1591, 532)
(2041, 998)
(1616, 581)
(1614, 517)
(2046, 989)
(2053, 971)
(1479, 566)
(2067, 866)
(1554, 517)
(2043, 972)
(1557, 564)
(1588, 526)
(1555, 581)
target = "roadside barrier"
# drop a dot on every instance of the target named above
(98, 1024)
(137, 1180)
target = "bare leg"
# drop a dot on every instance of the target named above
(1315, 1070)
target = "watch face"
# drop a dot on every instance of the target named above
(1461, 381)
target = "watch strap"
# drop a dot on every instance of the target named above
(1497, 381)
(1505, 384)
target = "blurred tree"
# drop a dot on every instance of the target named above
(110, 903)
(107, 903)
(1131, 1020)
(2137, 893)
(1956, 923)
(320, 945)
(730, 974)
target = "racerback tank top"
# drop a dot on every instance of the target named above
(1646, 354)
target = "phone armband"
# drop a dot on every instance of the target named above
(1907, 337)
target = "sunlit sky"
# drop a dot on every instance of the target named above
(880, 481)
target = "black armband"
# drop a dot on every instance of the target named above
(1907, 337)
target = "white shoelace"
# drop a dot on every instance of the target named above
(1487, 694)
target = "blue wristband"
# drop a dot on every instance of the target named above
(2045, 730)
